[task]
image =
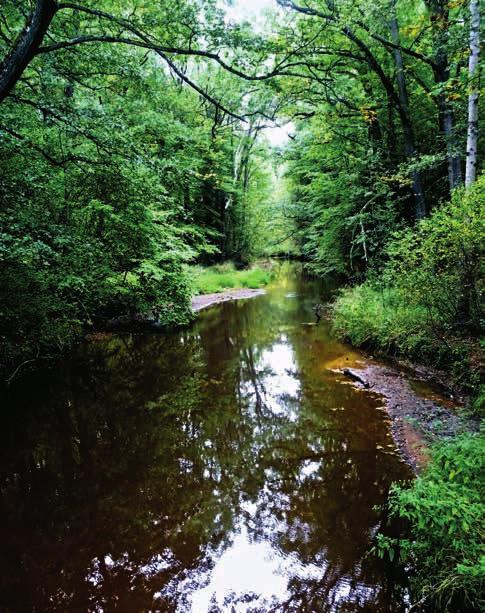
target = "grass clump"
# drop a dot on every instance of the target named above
(225, 276)
(380, 317)
(445, 511)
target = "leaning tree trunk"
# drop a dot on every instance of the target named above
(409, 140)
(26, 45)
(473, 75)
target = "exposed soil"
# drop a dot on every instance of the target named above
(206, 300)
(419, 415)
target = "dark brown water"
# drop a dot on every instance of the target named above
(222, 468)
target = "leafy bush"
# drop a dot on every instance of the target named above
(445, 511)
(426, 302)
(380, 317)
(478, 406)
(437, 265)
(112, 250)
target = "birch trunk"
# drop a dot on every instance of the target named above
(473, 75)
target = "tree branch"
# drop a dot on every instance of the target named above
(52, 160)
(25, 46)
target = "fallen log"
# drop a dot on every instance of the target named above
(353, 375)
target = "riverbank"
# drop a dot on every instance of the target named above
(420, 415)
(226, 276)
(442, 508)
(203, 301)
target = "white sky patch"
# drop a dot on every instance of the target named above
(279, 135)
(248, 10)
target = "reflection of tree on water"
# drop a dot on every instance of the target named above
(143, 464)
(120, 466)
(325, 514)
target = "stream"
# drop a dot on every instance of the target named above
(223, 468)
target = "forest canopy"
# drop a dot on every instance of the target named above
(135, 140)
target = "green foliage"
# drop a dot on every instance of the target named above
(371, 143)
(221, 277)
(478, 405)
(425, 304)
(114, 176)
(380, 317)
(445, 510)
(437, 265)
(343, 214)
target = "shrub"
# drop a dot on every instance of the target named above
(445, 511)
(437, 265)
(380, 317)
(426, 301)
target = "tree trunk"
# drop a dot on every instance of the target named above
(409, 139)
(454, 162)
(26, 45)
(391, 134)
(439, 19)
(473, 74)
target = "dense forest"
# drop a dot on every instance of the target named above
(136, 147)
(133, 143)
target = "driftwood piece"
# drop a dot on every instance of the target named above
(353, 375)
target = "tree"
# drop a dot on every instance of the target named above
(409, 137)
(26, 45)
(162, 30)
(473, 72)
(342, 21)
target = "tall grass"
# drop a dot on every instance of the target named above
(382, 318)
(225, 276)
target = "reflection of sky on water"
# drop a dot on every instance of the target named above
(251, 567)
(250, 571)
(277, 379)
(253, 572)
(248, 574)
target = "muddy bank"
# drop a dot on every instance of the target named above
(419, 414)
(206, 300)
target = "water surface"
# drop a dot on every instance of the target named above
(224, 468)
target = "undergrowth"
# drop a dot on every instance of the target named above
(445, 510)
(425, 302)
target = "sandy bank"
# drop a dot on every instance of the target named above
(206, 300)
(419, 415)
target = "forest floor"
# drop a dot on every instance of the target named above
(206, 300)
(420, 414)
